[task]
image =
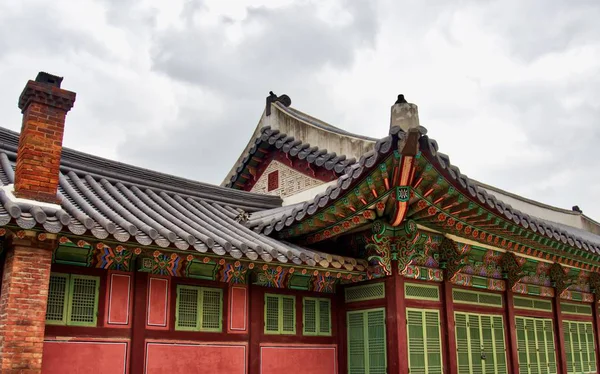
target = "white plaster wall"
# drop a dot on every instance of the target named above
(290, 181)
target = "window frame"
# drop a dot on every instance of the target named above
(495, 352)
(571, 350)
(273, 180)
(199, 308)
(280, 299)
(368, 348)
(68, 300)
(550, 348)
(318, 331)
(426, 338)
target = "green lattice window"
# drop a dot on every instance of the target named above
(532, 303)
(480, 347)
(280, 314)
(570, 308)
(424, 341)
(316, 318)
(199, 309)
(421, 292)
(579, 347)
(366, 342)
(365, 292)
(72, 300)
(474, 297)
(535, 346)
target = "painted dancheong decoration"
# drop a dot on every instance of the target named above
(340, 252)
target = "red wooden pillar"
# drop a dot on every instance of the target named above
(596, 314)
(396, 322)
(342, 332)
(449, 335)
(512, 351)
(138, 333)
(256, 326)
(561, 355)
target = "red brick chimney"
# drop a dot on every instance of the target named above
(44, 106)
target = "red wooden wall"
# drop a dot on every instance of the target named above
(136, 317)
(135, 333)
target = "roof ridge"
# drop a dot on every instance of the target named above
(301, 116)
(84, 162)
(525, 199)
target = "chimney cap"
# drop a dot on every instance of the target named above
(50, 79)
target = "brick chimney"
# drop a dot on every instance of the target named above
(404, 115)
(44, 106)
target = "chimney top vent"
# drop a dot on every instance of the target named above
(50, 79)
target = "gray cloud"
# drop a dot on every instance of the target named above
(278, 45)
(536, 28)
(506, 87)
(281, 48)
(563, 119)
(40, 29)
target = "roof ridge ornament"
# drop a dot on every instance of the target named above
(272, 98)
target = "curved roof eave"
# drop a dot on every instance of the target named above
(478, 193)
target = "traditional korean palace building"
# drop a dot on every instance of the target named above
(323, 252)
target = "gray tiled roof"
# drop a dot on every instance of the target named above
(110, 199)
(280, 219)
(295, 148)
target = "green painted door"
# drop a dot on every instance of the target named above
(366, 342)
(535, 346)
(424, 341)
(480, 346)
(579, 347)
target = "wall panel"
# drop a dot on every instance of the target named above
(191, 358)
(314, 359)
(158, 303)
(238, 309)
(89, 357)
(118, 300)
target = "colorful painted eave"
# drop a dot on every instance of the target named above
(428, 256)
(373, 187)
(435, 194)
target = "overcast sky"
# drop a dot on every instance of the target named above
(508, 88)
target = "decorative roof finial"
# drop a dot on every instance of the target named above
(272, 98)
(401, 100)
